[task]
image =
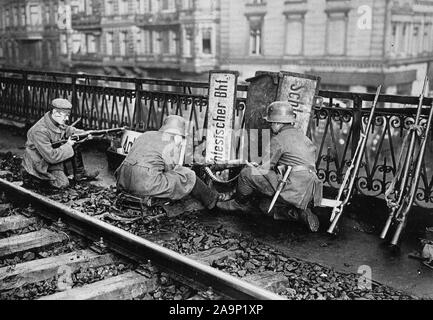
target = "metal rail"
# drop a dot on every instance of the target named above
(140, 249)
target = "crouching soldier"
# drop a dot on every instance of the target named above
(289, 147)
(43, 165)
(151, 167)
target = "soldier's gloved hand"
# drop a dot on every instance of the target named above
(71, 141)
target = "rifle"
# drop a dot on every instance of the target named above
(403, 211)
(396, 198)
(83, 136)
(280, 187)
(351, 173)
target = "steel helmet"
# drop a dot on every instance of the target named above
(280, 111)
(174, 125)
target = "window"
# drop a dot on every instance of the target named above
(207, 41)
(109, 43)
(415, 40)
(109, 7)
(167, 5)
(165, 42)
(123, 43)
(404, 89)
(336, 37)
(90, 43)
(188, 43)
(23, 15)
(294, 35)
(187, 4)
(156, 46)
(426, 38)
(123, 7)
(404, 39)
(35, 15)
(164, 4)
(8, 21)
(10, 52)
(255, 35)
(256, 41)
(76, 43)
(173, 42)
(63, 44)
(14, 16)
(1, 49)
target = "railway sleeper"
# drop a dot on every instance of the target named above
(127, 286)
(43, 269)
(37, 240)
(15, 223)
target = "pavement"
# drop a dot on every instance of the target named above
(355, 250)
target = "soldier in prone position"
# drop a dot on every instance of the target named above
(289, 147)
(43, 165)
(151, 167)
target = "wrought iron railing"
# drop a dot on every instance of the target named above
(142, 104)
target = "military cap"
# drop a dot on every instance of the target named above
(175, 125)
(280, 111)
(60, 103)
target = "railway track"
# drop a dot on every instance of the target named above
(199, 236)
(81, 257)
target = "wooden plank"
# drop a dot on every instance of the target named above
(126, 286)
(47, 268)
(269, 280)
(15, 222)
(29, 241)
(209, 256)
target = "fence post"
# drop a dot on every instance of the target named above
(356, 123)
(26, 106)
(74, 100)
(139, 121)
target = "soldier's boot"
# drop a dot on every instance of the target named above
(234, 205)
(80, 173)
(310, 220)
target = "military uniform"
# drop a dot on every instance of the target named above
(150, 169)
(288, 147)
(41, 162)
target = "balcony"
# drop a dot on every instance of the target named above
(82, 21)
(160, 18)
(27, 32)
(86, 59)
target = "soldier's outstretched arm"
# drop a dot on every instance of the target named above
(43, 145)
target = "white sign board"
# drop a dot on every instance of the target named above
(128, 139)
(222, 99)
(299, 90)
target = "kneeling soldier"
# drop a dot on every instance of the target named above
(151, 167)
(43, 165)
(289, 147)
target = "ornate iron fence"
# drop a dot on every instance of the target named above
(142, 104)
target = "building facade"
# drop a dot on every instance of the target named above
(29, 36)
(146, 38)
(354, 45)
